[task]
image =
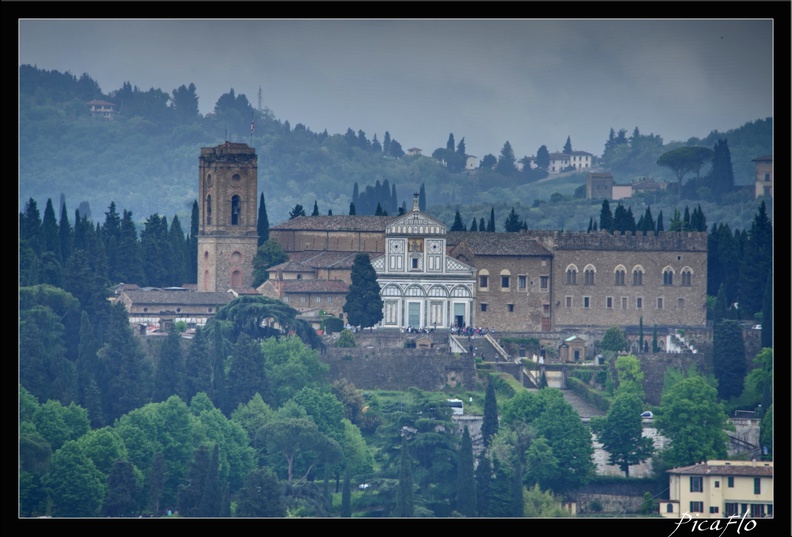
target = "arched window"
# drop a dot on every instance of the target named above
(637, 275)
(686, 277)
(668, 276)
(209, 210)
(505, 279)
(618, 275)
(588, 275)
(571, 274)
(483, 277)
(235, 211)
(236, 278)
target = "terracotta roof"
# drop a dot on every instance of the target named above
(178, 297)
(498, 243)
(336, 223)
(290, 266)
(324, 259)
(760, 468)
(314, 286)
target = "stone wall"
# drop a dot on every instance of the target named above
(400, 369)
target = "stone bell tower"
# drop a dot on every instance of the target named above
(227, 227)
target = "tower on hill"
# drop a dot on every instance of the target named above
(227, 231)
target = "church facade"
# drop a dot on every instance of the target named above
(421, 286)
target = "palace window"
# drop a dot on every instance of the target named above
(504, 282)
(571, 275)
(624, 302)
(522, 282)
(586, 301)
(483, 307)
(730, 482)
(696, 507)
(510, 307)
(618, 277)
(609, 302)
(637, 277)
(588, 275)
(543, 282)
(668, 277)
(483, 281)
(686, 277)
(757, 485)
(638, 303)
(659, 302)
(568, 301)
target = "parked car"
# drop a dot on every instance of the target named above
(647, 415)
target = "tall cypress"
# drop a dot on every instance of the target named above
(422, 198)
(65, 234)
(466, 484)
(489, 425)
(491, 225)
(404, 495)
(483, 480)
(50, 232)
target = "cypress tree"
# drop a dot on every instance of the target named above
(655, 347)
(50, 232)
(192, 248)
(352, 209)
(346, 494)
(489, 425)
(218, 368)
(404, 495)
(483, 480)
(482, 226)
(491, 224)
(606, 217)
(767, 312)
(315, 210)
(474, 225)
(121, 498)
(30, 228)
(169, 377)
(466, 485)
(422, 198)
(198, 366)
(157, 477)
(458, 225)
(65, 234)
(728, 351)
(660, 226)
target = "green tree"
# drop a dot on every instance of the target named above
(169, 377)
(157, 477)
(184, 102)
(513, 223)
(489, 425)
(346, 494)
(422, 198)
(261, 495)
(483, 481)
(691, 417)
(728, 351)
(630, 376)
(474, 224)
(466, 485)
(75, 486)
(296, 211)
(755, 263)
(125, 382)
(291, 366)
(721, 176)
(246, 374)
(606, 217)
(621, 432)
(458, 225)
(506, 161)
(198, 365)
(543, 157)
(363, 305)
(50, 232)
(404, 502)
(568, 146)
(269, 254)
(684, 160)
(263, 222)
(289, 437)
(121, 498)
(539, 503)
(614, 340)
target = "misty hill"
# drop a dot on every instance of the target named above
(145, 160)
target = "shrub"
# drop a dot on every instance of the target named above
(346, 340)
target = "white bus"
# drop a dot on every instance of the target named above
(456, 406)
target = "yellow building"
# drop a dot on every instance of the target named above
(720, 489)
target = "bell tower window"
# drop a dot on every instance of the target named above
(235, 210)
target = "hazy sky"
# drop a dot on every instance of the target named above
(531, 82)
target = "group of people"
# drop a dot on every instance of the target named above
(471, 330)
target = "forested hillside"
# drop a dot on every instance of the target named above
(146, 160)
